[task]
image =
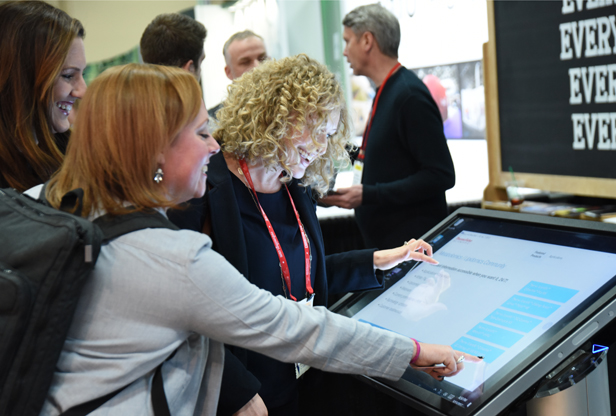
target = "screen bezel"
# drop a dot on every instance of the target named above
(431, 403)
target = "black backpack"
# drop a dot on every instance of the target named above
(46, 255)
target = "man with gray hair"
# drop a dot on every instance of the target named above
(243, 51)
(404, 162)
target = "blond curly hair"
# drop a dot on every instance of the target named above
(277, 101)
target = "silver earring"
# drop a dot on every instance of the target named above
(158, 176)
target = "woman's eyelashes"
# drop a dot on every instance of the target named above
(69, 75)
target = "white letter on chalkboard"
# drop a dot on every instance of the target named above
(604, 35)
(591, 38)
(592, 4)
(568, 7)
(603, 141)
(595, 4)
(565, 44)
(574, 86)
(588, 76)
(611, 83)
(578, 37)
(590, 129)
(602, 95)
(578, 131)
(613, 25)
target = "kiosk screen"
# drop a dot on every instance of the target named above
(507, 288)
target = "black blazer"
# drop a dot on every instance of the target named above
(337, 273)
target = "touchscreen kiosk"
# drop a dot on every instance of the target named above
(523, 291)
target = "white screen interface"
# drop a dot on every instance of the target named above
(490, 296)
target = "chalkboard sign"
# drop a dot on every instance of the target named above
(552, 72)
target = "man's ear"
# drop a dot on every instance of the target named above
(188, 66)
(367, 41)
(228, 72)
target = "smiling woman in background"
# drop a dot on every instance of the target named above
(41, 76)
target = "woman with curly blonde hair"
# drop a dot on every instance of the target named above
(293, 100)
(282, 130)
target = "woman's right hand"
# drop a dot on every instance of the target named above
(417, 250)
(433, 354)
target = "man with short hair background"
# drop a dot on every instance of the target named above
(243, 51)
(405, 159)
(174, 40)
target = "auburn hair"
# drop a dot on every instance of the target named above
(36, 38)
(128, 116)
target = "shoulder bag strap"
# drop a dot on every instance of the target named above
(159, 400)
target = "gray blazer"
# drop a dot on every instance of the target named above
(155, 291)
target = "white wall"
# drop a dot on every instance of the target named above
(442, 31)
(115, 27)
(470, 159)
(289, 27)
(303, 24)
(219, 25)
(264, 17)
(438, 32)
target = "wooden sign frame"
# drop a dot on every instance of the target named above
(495, 191)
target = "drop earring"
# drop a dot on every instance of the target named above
(158, 176)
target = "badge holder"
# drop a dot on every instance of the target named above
(358, 170)
(300, 368)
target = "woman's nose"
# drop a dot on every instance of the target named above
(79, 89)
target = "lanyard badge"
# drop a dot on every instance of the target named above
(358, 170)
(284, 267)
(300, 368)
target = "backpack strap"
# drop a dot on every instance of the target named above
(72, 201)
(159, 400)
(112, 226)
(88, 407)
(117, 225)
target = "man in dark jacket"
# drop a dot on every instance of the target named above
(404, 161)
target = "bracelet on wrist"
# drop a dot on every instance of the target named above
(417, 351)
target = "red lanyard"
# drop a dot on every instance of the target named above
(286, 274)
(376, 102)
